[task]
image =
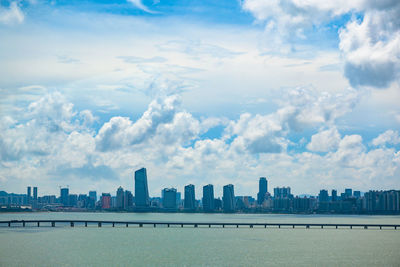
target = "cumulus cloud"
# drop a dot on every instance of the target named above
(389, 137)
(325, 141)
(12, 14)
(121, 131)
(370, 44)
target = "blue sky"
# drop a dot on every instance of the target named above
(303, 92)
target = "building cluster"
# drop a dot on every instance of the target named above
(282, 201)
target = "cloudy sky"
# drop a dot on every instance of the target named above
(303, 92)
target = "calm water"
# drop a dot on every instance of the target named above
(175, 246)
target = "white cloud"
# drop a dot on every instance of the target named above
(139, 4)
(11, 15)
(389, 137)
(371, 47)
(325, 141)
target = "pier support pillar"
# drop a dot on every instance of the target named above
(365, 227)
(380, 227)
(38, 224)
(336, 227)
(85, 224)
(53, 224)
(395, 227)
(307, 227)
(223, 226)
(23, 224)
(168, 225)
(99, 224)
(126, 224)
(72, 224)
(293, 225)
(154, 225)
(279, 226)
(9, 224)
(237, 225)
(251, 226)
(322, 227)
(140, 224)
(265, 226)
(182, 225)
(113, 224)
(209, 226)
(351, 226)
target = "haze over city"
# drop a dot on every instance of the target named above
(200, 92)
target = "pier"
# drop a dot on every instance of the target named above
(100, 223)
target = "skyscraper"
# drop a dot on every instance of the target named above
(128, 199)
(228, 198)
(28, 195)
(105, 201)
(208, 198)
(190, 201)
(262, 190)
(35, 195)
(64, 196)
(120, 198)
(334, 195)
(169, 198)
(141, 189)
(92, 199)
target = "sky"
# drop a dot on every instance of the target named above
(303, 92)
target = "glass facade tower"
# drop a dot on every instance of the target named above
(141, 189)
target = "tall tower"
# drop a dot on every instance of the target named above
(169, 198)
(190, 201)
(28, 195)
(120, 198)
(262, 190)
(141, 189)
(64, 196)
(228, 198)
(208, 198)
(35, 195)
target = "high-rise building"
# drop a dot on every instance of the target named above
(141, 189)
(357, 194)
(323, 196)
(64, 196)
(208, 198)
(128, 199)
(35, 194)
(28, 195)
(262, 190)
(92, 199)
(228, 198)
(348, 192)
(169, 199)
(334, 195)
(105, 201)
(190, 200)
(120, 198)
(72, 200)
(282, 192)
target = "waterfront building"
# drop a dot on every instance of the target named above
(72, 200)
(282, 192)
(120, 198)
(208, 198)
(357, 194)
(28, 195)
(92, 199)
(348, 192)
(141, 188)
(64, 196)
(128, 199)
(262, 190)
(35, 193)
(105, 201)
(228, 198)
(169, 198)
(190, 200)
(334, 195)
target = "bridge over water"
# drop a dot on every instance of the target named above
(100, 223)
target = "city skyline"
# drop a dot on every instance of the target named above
(282, 201)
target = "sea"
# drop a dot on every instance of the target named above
(203, 246)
